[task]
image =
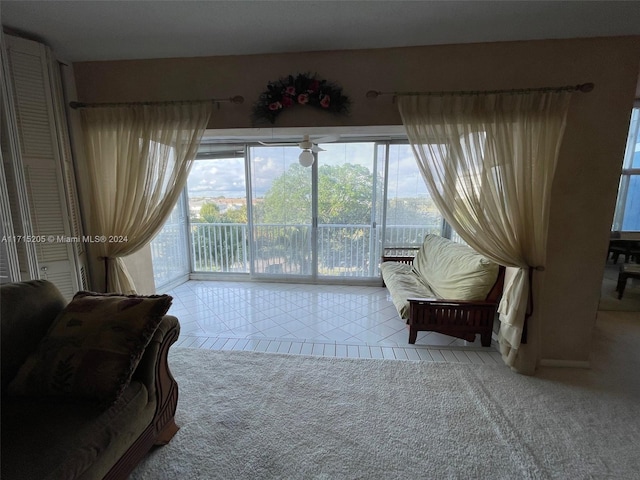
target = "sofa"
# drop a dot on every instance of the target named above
(86, 388)
(445, 287)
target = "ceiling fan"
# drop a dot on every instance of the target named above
(308, 146)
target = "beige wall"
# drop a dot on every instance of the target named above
(590, 158)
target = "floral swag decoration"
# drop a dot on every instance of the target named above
(304, 89)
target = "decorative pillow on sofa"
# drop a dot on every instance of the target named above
(92, 348)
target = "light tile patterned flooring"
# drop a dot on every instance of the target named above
(326, 320)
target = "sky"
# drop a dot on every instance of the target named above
(225, 177)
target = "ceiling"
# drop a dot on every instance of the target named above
(112, 30)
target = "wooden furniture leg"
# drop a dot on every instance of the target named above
(167, 433)
(413, 334)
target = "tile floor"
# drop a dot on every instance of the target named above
(327, 320)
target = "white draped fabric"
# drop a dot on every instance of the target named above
(137, 162)
(488, 161)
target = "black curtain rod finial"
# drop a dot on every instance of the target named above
(586, 87)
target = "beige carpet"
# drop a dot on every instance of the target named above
(247, 415)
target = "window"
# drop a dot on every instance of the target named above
(411, 213)
(627, 217)
(254, 211)
(169, 249)
(218, 214)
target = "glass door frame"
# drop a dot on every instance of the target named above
(254, 274)
(375, 222)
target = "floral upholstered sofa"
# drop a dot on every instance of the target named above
(86, 389)
(446, 287)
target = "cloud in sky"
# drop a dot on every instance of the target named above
(225, 177)
(217, 178)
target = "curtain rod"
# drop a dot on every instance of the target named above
(584, 87)
(237, 100)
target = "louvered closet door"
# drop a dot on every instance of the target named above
(9, 261)
(66, 161)
(43, 167)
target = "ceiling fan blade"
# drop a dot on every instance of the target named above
(317, 149)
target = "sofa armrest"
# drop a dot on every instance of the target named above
(153, 371)
(154, 359)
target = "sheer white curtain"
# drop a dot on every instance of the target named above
(137, 161)
(488, 161)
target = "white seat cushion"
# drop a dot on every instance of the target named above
(454, 271)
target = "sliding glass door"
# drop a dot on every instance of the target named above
(281, 213)
(318, 221)
(254, 211)
(410, 211)
(348, 193)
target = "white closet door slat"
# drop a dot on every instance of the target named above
(41, 158)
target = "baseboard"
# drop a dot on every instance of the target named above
(565, 363)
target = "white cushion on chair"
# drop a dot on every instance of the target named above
(454, 271)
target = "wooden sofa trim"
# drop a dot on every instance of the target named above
(389, 255)
(458, 318)
(162, 427)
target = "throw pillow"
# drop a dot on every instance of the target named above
(92, 348)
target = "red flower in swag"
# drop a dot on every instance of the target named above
(303, 89)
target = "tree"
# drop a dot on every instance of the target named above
(344, 195)
(222, 245)
(288, 201)
(236, 215)
(210, 213)
(344, 198)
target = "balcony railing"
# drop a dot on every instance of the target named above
(168, 251)
(343, 250)
(220, 247)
